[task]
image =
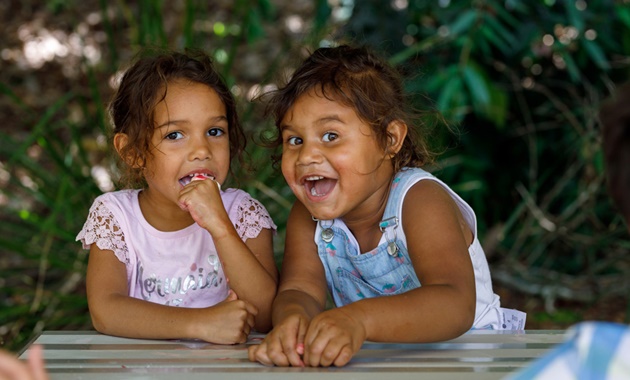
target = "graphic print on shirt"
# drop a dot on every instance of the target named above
(170, 291)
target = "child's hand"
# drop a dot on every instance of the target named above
(232, 321)
(202, 199)
(333, 337)
(11, 368)
(284, 345)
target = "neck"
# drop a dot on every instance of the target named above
(364, 225)
(163, 216)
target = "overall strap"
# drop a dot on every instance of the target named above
(391, 220)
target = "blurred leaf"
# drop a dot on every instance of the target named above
(477, 86)
(8, 314)
(575, 16)
(499, 35)
(572, 67)
(498, 108)
(40, 126)
(508, 13)
(267, 9)
(419, 47)
(189, 23)
(450, 100)
(438, 80)
(322, 14)
(464, 22)
(4, 89)
(110, 33)
(623, 12)
(494, 38)
(596, 54)
(598, 161)
(254, 26)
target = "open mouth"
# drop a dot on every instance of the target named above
(318, 186)
(194, 177)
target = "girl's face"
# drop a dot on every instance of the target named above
(190, 137)
(332, 161)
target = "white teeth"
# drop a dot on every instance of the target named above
(314, 178)
(199, 175)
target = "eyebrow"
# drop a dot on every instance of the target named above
(326, 119)
(322, 120)
(212, 120)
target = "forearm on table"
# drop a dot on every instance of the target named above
(426, 314)
(247, 276)
(130, 317)
(291, 301)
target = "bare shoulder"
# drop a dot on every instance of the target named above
(429, 207)
(104, 259)
(427, 193)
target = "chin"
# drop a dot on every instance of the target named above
(321, 214)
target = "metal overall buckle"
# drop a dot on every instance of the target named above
(327, 232)
(390, 224)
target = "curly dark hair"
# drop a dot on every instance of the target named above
(358, 78)
(144, 84)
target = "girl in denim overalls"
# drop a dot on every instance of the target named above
(394, 246)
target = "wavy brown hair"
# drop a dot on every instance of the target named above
(144, 84)
(358, 78)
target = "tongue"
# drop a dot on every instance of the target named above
(324, 186)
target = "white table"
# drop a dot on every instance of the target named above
(475, 355)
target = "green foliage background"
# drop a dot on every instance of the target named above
(519, 81)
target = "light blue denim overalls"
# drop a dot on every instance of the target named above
(387, 269)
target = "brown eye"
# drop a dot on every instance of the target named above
(173, 136)
(294, 140)
(215, 132)
(329, 136)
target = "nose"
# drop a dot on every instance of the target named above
(309, 154)
(199, 149)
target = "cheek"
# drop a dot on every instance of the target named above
(287, 160)
(285, 168)
(372, 159)
(149, 176)
(221, 152)
(224, 154)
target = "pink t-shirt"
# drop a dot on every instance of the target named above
(177, 268)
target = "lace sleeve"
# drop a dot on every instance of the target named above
(102, 228)
(251, 218)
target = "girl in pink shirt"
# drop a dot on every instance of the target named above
(178, 257)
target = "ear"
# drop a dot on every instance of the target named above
(397, 131)
(120, 142)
